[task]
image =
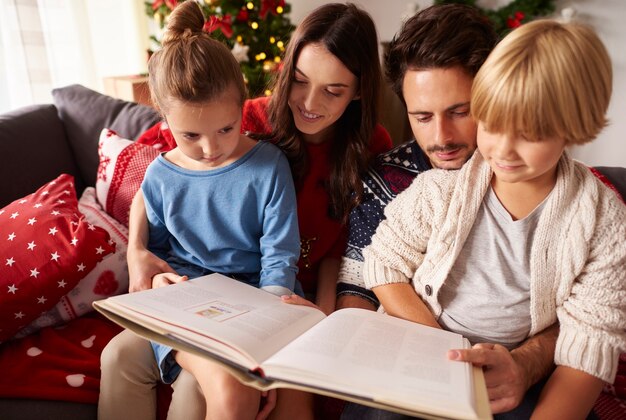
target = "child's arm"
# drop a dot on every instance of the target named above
(280, 239)
(569, 394)
(327, 284)
(143, 265)
(401, 300)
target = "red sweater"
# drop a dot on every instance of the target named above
(320, 236)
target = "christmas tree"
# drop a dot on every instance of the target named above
(256, 31)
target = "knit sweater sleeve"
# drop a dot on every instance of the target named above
(399, 244)
(593, 316)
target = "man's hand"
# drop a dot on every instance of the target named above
(143, 265)
(506, 380)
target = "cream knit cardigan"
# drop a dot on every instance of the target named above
(577, 262)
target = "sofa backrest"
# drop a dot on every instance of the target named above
(33, 150)
(85, 113)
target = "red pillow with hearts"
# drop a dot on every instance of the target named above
(108, 278)
(46, 247)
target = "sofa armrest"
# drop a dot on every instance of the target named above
(33, 151)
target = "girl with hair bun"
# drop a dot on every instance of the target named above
(192, 192)
(323, 114)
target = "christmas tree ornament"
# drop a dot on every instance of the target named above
(240, 52)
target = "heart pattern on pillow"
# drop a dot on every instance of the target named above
(46, 247)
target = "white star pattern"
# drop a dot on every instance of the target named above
(35, 234)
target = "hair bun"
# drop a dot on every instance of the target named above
(185, 21)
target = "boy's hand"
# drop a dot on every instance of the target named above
(505, 378)
(165, 279)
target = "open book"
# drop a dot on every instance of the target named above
(352, 354)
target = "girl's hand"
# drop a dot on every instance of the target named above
(297, 300)
(143, 265)
(165, 279)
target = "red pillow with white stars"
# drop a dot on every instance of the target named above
(46, 248)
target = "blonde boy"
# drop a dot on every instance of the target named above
(522, 235)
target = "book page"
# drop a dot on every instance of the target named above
(217, 312)
(369, 354)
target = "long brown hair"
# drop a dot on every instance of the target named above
(191, 66)
(349, 34)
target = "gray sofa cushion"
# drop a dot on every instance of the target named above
(617, 176)
(85, 113)
(35, 150)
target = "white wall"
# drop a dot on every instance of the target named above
(606, 16)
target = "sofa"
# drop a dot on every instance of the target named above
(40, 142)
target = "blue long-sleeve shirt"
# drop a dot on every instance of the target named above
(239, 219)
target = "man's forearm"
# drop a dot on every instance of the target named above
(536, 355)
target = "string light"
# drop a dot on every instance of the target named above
(277, 59)
(272, 39)
(267, 92)
(254, 25)
(279, 9)
(280, 44)
(239, 39)
(250, 5)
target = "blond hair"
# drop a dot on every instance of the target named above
(191, 67)
(545, 79)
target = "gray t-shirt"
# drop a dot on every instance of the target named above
(486, 297)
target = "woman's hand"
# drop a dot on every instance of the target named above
(297, 300)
